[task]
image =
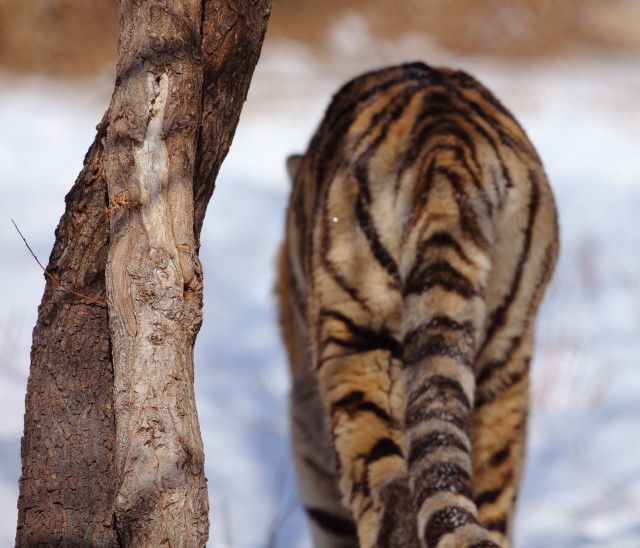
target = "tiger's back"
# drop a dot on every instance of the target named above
(421, 233)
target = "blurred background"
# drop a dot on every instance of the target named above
(570, 72)
(71, 37)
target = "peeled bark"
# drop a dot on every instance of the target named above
(117, 460)
(154, 277)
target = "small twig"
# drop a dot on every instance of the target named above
(53, 278)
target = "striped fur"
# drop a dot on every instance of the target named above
(421, 233)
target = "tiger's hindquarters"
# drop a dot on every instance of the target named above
(422, 233)
(358, 391)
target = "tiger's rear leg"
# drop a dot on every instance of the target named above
(358, 390)
(520, 274)
(498, 434)
(499, 425)
(330, 522)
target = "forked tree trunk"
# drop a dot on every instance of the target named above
(116, 460)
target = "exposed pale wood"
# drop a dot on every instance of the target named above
(154, 277)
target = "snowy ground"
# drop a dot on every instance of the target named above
(582, 485)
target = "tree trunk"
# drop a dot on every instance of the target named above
(117, 460)
(154, 277)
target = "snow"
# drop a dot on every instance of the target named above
(582, 481)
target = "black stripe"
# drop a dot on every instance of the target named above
(490, 496)
(438, 274)
(549, 260)
(418, 414)
(500, 161)
(444, 476)
(385, 447)
(484, 544)
(362, 205)
(468, 217)
(441, 384)
(299, 297)
(441, 123)
(365, 221)
(422, 342)
(433, 441)
(392, 109)
(435, 345)
(506, 137)
(513, 379)
(440, 321)
(421, 188)
(469, 146)
(461, 162)
(449, 323)
(446, 521)
(330, 267)
(354, 403)
(349, 101)
(465, 80)
(489, 368)
(487, 497)
(452, 128)
(431, 151)
(364, 218)
(466, 111)
(500, 456)
(375, 409)
(422, 72)
(351, 399)
(424, 145)
(363, 339)
(333, 523)
(440, 239)
(381, 85)
(342, 282)
(381, 116)
(356, 346)
(499, 525)
(360, 487)
(437, 106)
(446, 121)
(499, 315)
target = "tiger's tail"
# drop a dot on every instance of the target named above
(444, 279)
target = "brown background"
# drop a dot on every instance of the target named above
(67, 37)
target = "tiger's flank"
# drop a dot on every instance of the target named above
(420, 236)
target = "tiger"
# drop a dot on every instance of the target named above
(421, 233)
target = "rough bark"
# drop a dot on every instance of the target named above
(232, 36)
(68, 481)
(179, 91)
